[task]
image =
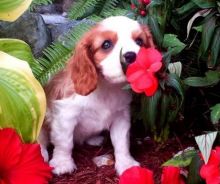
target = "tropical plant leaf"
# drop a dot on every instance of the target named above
(182, 159)
(215, 49)
(200, 13)
(205, 143)
(23, 102)
(186, 8)
(211, 78)
(215, 113)
(17, 48)
(205, 3)
(194, 168)
(208, 29)
(10, 10)
(173, 44)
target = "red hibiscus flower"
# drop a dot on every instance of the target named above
(171, 175)
(136, 175)
(211, 171)
(21, 163)
(140, 74)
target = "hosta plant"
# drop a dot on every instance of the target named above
(23, 102)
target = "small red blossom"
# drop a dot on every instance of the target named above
(145, 2)
(143, 13)
(141, 73)
(21, 163)
(172, 175)
(136, 175)
(133, 6)
(211, 171)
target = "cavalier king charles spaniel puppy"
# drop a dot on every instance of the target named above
(87, 96)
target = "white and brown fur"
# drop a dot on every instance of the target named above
(87, 96)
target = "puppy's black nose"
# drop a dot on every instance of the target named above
(129, 57)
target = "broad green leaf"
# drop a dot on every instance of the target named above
(194, 168)
(211, 78)
(173, 44)
(22, 99)
(10, 10)
(190, 6)
(205, 143)
(205, 3)
(175, 68)
(215, 113)
(200, 13)
(215, 49)
(182, 159)
(17, 48)
(208, 29)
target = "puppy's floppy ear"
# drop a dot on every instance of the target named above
(83, 71)
(148, 36)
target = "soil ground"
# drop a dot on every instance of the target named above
(149, 153)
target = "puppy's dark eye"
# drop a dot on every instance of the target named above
(107, 44)
(139, 41)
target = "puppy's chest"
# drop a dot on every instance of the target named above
(101, 108)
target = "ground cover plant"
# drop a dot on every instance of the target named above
(185, 105)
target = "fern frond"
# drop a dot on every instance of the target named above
(115, 12)
(109, 6)
(83, 8)
(56, 55)
(40, 2)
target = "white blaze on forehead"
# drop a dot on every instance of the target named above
(120, 24)
(124, 27)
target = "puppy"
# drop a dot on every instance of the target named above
(87, 96)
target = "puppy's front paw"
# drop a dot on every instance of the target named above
(62, 165)
(125, 163)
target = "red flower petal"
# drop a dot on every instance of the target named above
(155, 67)
(144, 81)
(31, 168)
(146, 57)
(153, 88)
(10, 149)
(171, 175)
(137, 175)
(134, 71)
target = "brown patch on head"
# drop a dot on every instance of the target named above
(145, 35)
(99, 54)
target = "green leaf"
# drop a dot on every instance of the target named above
(194, 168)
(10, 10)
(23, 102)
(182, 159)
(208, 29)
(173, 44)
(205, 3)
(215, 113)
(190, 6)
(17, 48)
(198, 28)
(215, 49)
(200, 13)
(205, 143)
(155, 29)
(211, 78)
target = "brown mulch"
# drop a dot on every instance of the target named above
(146, 151)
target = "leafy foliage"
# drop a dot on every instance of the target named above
(101, 8)
(40, 2)
(57, 54)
